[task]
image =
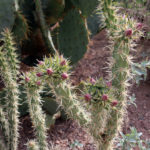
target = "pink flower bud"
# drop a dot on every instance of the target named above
(104, 97)
(38, 83)
(49, 71)
(39, 74)
(63, 63)
(27, 79)
(114, 103)
(109, 84)
(41, 62)
(87, 97)
(64, 76)
(92, 80)
(139, 26)
(128, 32)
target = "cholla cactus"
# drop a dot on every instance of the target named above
(98, 97)
(8, 67)
(122, 31)
(54, 73)
(33, 88)
(5, 128)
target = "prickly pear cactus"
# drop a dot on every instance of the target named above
(73, 36)
(7, 16)
(53, 10)
(86, 6)
(20, 28)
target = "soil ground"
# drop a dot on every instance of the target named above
(64, 133)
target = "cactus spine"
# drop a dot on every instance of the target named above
(11, 87)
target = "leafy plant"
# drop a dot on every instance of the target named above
(76, 144)
(131, 140)
(139, 71)
(132, 100)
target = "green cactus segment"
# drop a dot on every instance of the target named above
(10, 53)
(11, 88)
(44, 29)
(86, 6)
(27, 8)
(20, 28)
(7, 16)
(53, 10)
(94, 91)
(37, 116)
(68, 101)
(120, 65)
(32, 145)
(4, 127)
(73, 36)
(95, 24)
(100, 117)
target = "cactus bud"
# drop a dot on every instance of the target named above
(38, 83)
(63, 63)
(92, 80)
(27, 79)
(104, 97)
(109, 84)
(128, 32)
(41, 62)
(64, 76)
(39, 74)
(87, 97)
(139, 26)
(114, 103)
(49, 71)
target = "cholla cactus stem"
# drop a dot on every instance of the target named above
(11, 88)
(68, 100)
(4, 127)
(37, 116)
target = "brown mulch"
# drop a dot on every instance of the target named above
(64, 133)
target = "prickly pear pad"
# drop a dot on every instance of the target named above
(73, 36)
(6, 14)
(86, 6)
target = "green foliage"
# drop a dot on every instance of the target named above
(132, 100)
(131, 140)
(76, 144)
(73, 36)
(139, 71)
